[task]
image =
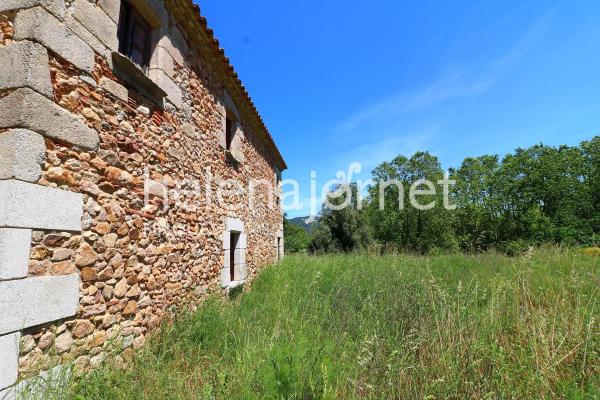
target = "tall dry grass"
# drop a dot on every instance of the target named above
(391, 327)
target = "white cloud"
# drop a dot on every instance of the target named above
(453, 85)
(387, 128)
(371, 153)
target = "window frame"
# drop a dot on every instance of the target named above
(129, 21)
(230, 130)
(234, 271)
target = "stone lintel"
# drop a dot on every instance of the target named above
(234, 224)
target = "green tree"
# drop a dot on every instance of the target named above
(395, 221)
(541, 194)
(479, 202)
(545, 195)
(296, 239)
(342, 229)
(591, 178)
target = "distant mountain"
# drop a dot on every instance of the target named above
(301, 222)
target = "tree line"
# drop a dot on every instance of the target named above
(541, 194)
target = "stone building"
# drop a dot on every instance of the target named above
(136, 177)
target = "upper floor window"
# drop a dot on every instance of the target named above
(134, 36)
(229, 132)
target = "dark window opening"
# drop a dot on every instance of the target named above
(134, 36)
(235, 236)
(229, 132)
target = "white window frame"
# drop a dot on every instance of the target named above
(240, 274)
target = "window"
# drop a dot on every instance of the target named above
(134, 36)
(233, 261)
(234, 270)
(278, 186)
(229, 132)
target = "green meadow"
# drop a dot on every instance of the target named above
(381, 327)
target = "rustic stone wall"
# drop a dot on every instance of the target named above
(153, 230)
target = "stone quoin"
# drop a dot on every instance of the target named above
(104, 134)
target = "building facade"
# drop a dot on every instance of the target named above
(136, 177)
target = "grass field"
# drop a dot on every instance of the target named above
(365, 327)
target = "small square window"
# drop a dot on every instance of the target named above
(134, 36)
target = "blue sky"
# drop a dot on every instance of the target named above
(344, 81)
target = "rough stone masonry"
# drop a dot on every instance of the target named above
(113, 154)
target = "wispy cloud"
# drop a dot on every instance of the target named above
(403, 123)
(373, 152)
(453, 85)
